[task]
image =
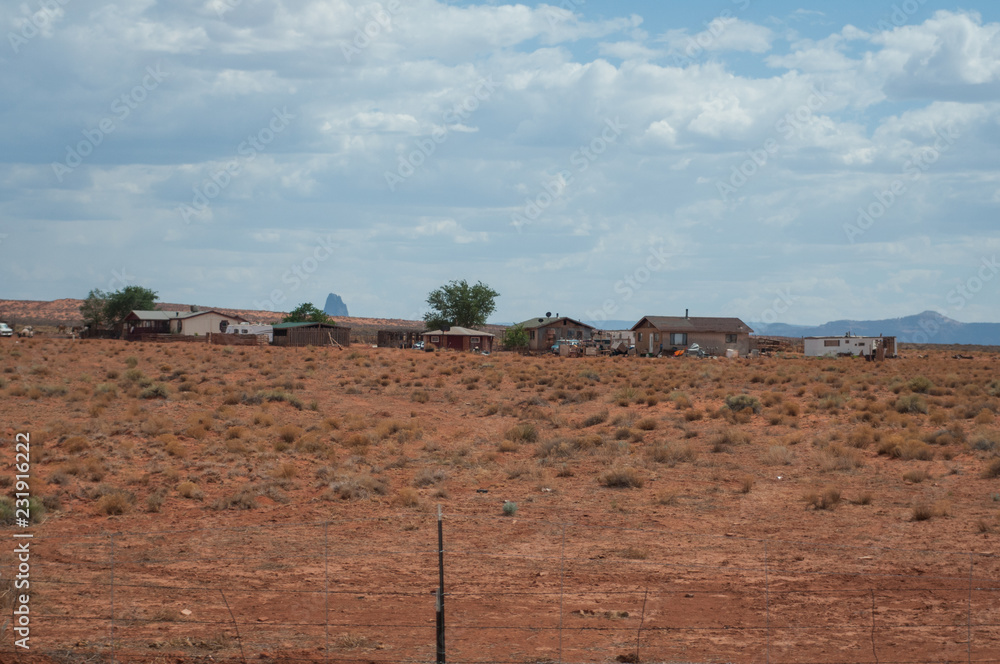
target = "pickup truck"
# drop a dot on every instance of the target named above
(5, 330)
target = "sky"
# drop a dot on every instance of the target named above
(774, 161)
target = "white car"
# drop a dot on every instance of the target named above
(5, 330)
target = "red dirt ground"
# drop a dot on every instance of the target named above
(285, 498)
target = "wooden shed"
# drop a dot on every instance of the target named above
(398, 338)
(310, 334)
(459, 338)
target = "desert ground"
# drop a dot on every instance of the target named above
(211, 503)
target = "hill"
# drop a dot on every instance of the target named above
(927, 327)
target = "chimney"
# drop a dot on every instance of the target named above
(685, 314)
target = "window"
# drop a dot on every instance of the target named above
(679, 339)
(531, 335)
(474, 340)
(435, 339)
(831, 342)
(730, 338)
(639, 337)
(656, 336)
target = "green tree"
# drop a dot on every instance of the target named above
(119, 304)
(92, 308)
(459, 304)
(515, 338)
(306, 313)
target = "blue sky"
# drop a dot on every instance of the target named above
(767, 160)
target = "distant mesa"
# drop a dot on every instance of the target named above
(335, 306)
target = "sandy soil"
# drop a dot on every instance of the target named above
(279, 505)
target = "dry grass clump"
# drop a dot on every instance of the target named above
(407, 497)
(673, 453)
(429, 477)
(595, 419)
(116, 502)
(746, 484)
(621, 477)
(836, 457)
(647, 424)
(897, 447)
(826, 499)
(357, 486)
(724, 441)
(190, 490)
(992, 471)
(911, 403)
(522, 433)
(778, 455)
(741, 402)
(915, 476)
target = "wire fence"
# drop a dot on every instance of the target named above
(516, 591)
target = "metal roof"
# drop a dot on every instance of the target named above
(459, 332)
(288, 326)
(695, 324)
(543, 321)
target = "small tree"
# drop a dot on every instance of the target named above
(92, 308)
(119, 304)
(459, 304)
(306, 313)
(515, 338)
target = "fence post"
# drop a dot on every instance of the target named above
(440, 592)
(112, 537)
(767, 609)
(972, 562)
(326, 591)
(562, 589)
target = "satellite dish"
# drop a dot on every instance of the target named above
(223, 324)
(548, 314)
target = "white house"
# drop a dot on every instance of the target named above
(847, 345)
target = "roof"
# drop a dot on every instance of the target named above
(288, 326)
(459, 332)
(694, 324)
(158, 314)
(544, 321)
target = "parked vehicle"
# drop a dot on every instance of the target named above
(5, 330)
(418, 345)
(563, 342)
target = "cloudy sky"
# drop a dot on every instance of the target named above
(767, 160)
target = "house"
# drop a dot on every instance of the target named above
(654, 334)
(187, 323)
(310, 334)
(459, 338)
(397, 338)
(543, 332)
(848, 345)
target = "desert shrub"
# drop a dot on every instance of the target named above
(244, 498)
(154, 501)
(429, 477)
(920, 384)
(992, 470)
(647, 424)
(8, 510)
(420, 396)
(725, 440)
(791, 409)
(356, 487)
(922, 512)
(279, 396)
(672, 454)
(289, 432)
(907, 449)
(693, 415)
(746, 484)
(837, 457)
(116, 502)
(286, 471)
(157, 391)
(779, 455)
(826, 499)
(595, 419)
(911, 403)
(556, 447)
(522, 433)
(190, 490)
(916, 475)
(509, 508)
(621, 477)
(740, 402)
(407, 497)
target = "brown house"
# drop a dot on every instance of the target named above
(459, 338)
(654, 334)
(543, 332)
(188, 323)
